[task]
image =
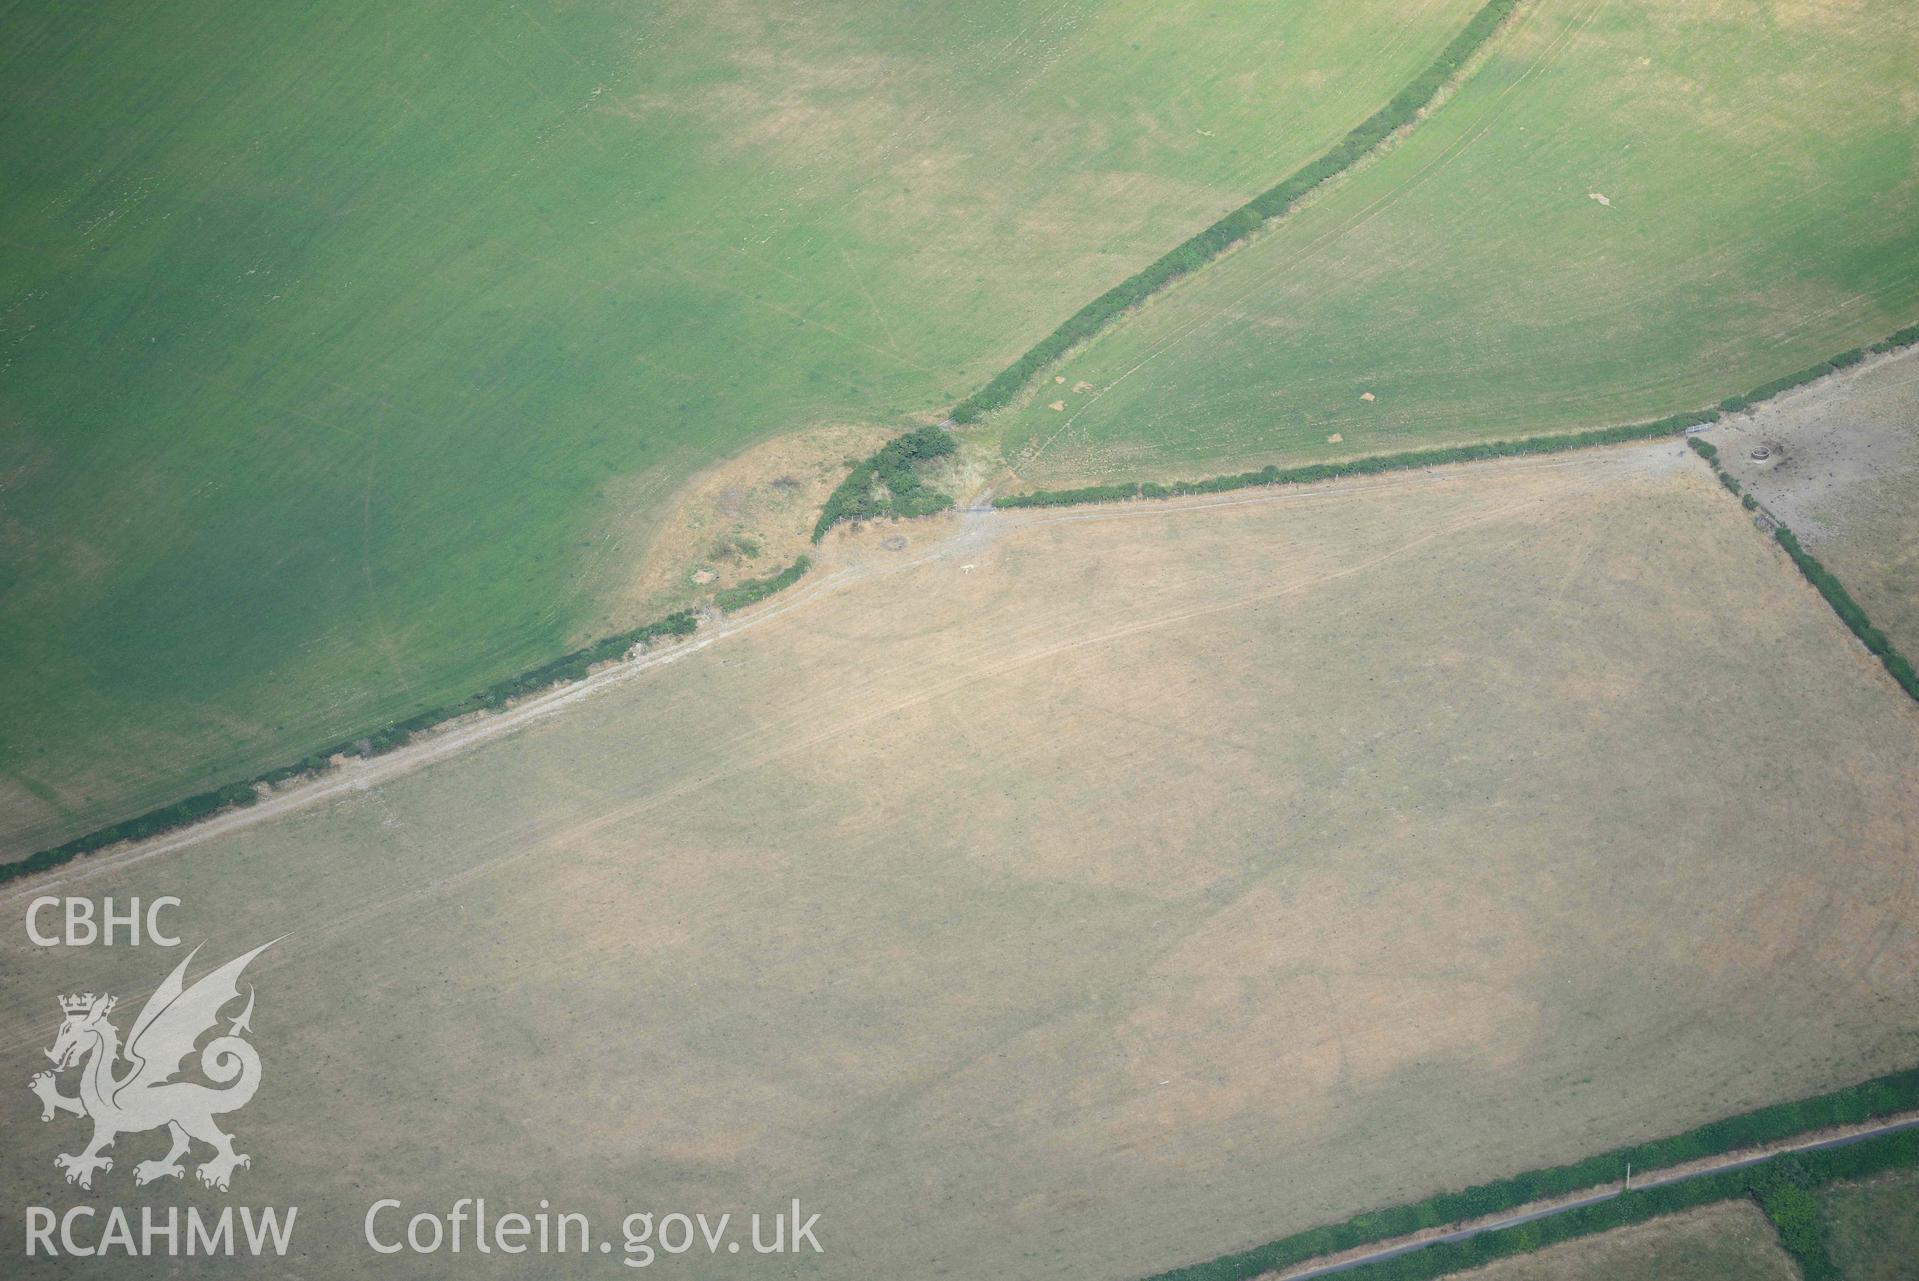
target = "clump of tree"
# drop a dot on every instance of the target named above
(1784, 1189)
(889, 483)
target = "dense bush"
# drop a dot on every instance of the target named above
(758, 589)
(1784, 1190)
(1240, 223)
(888, 483)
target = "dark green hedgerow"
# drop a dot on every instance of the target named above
(888, 483)
(758, 589)
(1239, 224)
(1871, 1100)
(167, 818)
(1892, 342)
(1466, 453)
(1813, 373)
(1849, 611)
(1362, 466)
(560, 671)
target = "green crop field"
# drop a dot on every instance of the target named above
(350, 355)
(1630, 208)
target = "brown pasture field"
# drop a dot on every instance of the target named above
(1842, 470)
(1728, 1241)
(1079, 894)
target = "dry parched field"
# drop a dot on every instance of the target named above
(1083, 894)
(1841, 467)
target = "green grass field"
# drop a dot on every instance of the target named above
(1760, 203)
(1874, 1228)
(349, 356)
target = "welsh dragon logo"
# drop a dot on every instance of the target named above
(144, 1095)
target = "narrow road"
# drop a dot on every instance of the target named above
(1722, 1166)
